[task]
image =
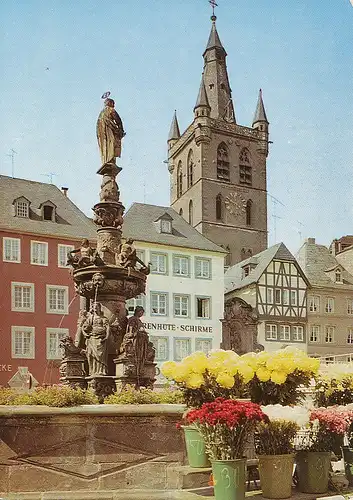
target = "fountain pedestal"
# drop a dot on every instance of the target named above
(127, 374)
(101, 385)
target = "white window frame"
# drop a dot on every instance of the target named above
(284, 332)
(61, 333)
(68, 249)
(271, 331)
(24, 205)
(45, 243)
(158, 295)
(197, 309)
(350, 336)
(66, 299)
(278, 292)
(298, 333)
(31, 353)
(269, 295)
(166, 226)
(199, 262)
(349, 306)
(11, 240)
(180, 297)
(158, 267)
(180, 258)
(131, 304)
(314, 303)
(15, 284)
(328, 308)
(188, 350)
(293, 298)
(317, 334)
(155, 339)
(330, 335)
(200, 342)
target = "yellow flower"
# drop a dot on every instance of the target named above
(278, 377)
(251, 359)
(246, 372)
(182, 373)
(262, 357)
(263, 374)
(230, 366)
(225, 380)
(194, 381)
(168, 369)
(196, 362)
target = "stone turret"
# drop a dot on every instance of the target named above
(174, 132)
(261, 124)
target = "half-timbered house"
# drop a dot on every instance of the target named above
(273, 283)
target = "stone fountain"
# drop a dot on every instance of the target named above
(110, 350)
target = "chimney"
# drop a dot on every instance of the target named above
(311, 241)
(64, 190)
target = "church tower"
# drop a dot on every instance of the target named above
(217, 167)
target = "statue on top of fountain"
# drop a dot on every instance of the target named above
(127, 257)
(84, 256)
(110, 132)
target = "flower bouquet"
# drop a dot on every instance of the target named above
(225, 425)
(335, 386)
(275, 447)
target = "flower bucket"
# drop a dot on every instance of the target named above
(229, 479)
(195, 448)
(313, 471)
(347, 453)
(276, 475)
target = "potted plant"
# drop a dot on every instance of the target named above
(313, 460)
(275, 448)
(225, 425)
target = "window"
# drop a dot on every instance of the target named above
(63, 250)
(204, 345)
(166, 226)
(329, 305)
(248, 212)
(314, 303)
(48, 212)
(338, 276)
(11, 249)
(191, 213)
(22, 297)
(179, 179)
(245, 174)
(203, 268)
(22, 209)
(298, 333)
(329, 334)
(181, 212)
(140, 254)
(349, 306)
(284, 332)
(159, 304)
(278, 296)
(181, 306)
(315, 333)
(285, 297)
(350, 336)
(181, 265)
(161, 345)
(269, 294)
(203, 307)
(293, 297)
(271, 332)
(182, 348)
(54, 336)
(219, 207)
(159, 263)
(190, 168)
(57, 299)
(39, 253)
(22, 342)
(131, 304)
(222, 162)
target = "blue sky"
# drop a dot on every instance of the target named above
(149, 55)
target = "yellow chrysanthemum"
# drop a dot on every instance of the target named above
(250, 358)
(246, 372)
(194, 381)
(230, 366)
(225, 380)
(168, 369)
(278, 377)
(263, 374)
(196, 362)
(181, 373)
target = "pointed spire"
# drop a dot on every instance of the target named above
(174, 132)
(260, 113)
(214, 40)
(202, 99)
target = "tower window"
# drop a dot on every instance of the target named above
(179, 180)
(190, 168)
(48, 212)
(245, 171)
(248, 212)
(181, 212)
(222, 162)
(219, 207)
(191, 214)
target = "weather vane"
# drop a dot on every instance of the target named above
(213, 5)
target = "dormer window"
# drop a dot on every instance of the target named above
(338, 276)
(48, 210)
(166, 226)
(21, 206)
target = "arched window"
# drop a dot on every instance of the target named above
(219, 207)
(179, 179)
(222, 162)
(190, 168)
(245, 173)
(191, 215)
(248, 214)
(181, 212)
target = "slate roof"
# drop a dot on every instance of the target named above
(260, 113)
(234, 275)
(315, 260)
(140, 225)
(174, 131)
(214, 40)
(202, 99)
(70, 223)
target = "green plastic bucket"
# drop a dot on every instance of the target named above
(195, 448)
(229, 479)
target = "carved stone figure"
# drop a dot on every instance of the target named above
(80, 340)
(109, 189)
(70, 350)
(83, 256)
(110, 131)
(108, 217)
(96, 329)
(127, 254)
